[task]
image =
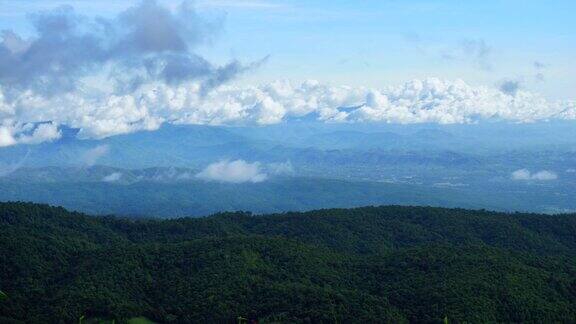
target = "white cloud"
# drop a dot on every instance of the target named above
(112, 177)
(522, 174)
(544, 175)
(110, 76)
(238, 171)
(418, 101)
(526, 175)
(6, 137)
(42, 133)
(12, 133)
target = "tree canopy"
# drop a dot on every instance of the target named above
(372, 264)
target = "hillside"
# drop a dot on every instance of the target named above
(372, 264)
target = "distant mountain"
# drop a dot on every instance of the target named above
(343, 165)
(366, 265)
(348, 139)
(194, 146)
(168, 146)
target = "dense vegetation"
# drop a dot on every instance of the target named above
(373, 264)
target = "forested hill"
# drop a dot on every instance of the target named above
(373, 264)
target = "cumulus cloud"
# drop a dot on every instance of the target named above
(238, 171)
(27, 133)
(6, 137)
(526, 175)
(417, 101)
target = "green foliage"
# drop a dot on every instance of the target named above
(373, 264)
(139, 320)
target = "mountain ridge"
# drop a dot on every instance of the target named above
(369, 264)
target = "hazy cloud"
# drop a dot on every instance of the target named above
(283, 168)
(238, 171)
(526, 175)
(476, 51)
(243, 4)
(112, 177)
(539, 67)
(510, 87)
(479, 52)
(91, 156)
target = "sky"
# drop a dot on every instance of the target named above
(466, 51)
(376, 43)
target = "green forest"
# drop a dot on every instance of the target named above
(374, 264)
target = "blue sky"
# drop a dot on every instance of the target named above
(374, 42)
(377, 43)
(115, 67)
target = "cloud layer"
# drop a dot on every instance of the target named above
(418, 101)
(140, 70)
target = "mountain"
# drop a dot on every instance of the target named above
(195, 146)
(373, 264)
(330, 165)
(168, 146)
